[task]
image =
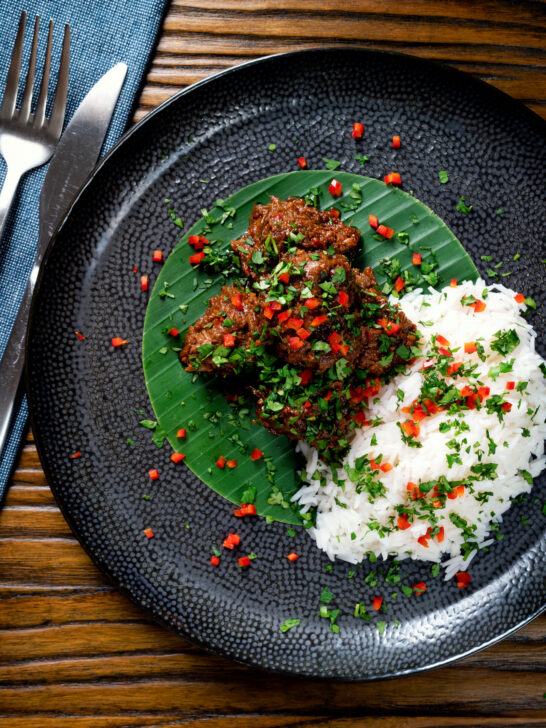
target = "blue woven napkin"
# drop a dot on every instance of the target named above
(102, 34)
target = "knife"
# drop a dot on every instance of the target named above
(74, 159)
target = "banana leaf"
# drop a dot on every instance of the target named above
(180, 295)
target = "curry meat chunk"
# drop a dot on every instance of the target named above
(223, 339)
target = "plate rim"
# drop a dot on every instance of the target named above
(442, 67)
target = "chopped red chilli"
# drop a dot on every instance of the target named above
(246, 509)
(157, 256)
(302, 162)
(463, 579)
(173, 331)
(154, 474)
(144, 283)
(232, 540)
(292, 556)
(335, 188)
(148, 533)
(214, 560)
(231, 463)
(181, 432)
(177, 457)
(81, 337)
(385, 231)
(118, 341)
(76, 455)
(244, 561)
(396, 142)
(221, 462)
(377, 602)
(358, 130)
(374, 222)
(393, 179)
(257, 454)
(197, 258)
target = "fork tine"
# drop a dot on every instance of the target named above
(12, 83)
(39, 115)
(26, 104)
(59, 105)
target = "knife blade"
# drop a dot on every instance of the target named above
(74, 159)
(78, 149)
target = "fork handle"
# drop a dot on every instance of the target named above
(13, 361)
(9, 188)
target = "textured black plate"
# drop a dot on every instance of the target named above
(87, 396)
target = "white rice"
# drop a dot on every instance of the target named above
(343, 514)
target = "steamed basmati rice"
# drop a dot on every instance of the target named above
(350, 524)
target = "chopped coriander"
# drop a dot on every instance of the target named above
(331, 164)
(443, 176)
(362, 158)
(326, 596)
(289, 624)
(380, 626)
(462, 207)
(272, 147)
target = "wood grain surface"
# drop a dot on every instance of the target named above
(73, 652)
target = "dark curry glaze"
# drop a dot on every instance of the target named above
(311, 334)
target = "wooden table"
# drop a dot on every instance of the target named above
(74, 652)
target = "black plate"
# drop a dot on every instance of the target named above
(86, 396)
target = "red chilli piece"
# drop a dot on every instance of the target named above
(318, 320)
(442, 340)
(302, 162)
(177, 457)
(214, 560)
(237, 301)
(358, 130)
(479, 306)
(244, 561)
(292, 556)
(393, 178)
(154, 474)
(399, 284)
(423, 540)
(510, 386)
(470, 347)
(440, 535)
(402, 522)
(221, 462)
(118, 341)
(181, 432)
(173, 331)
(420, 587)
(284, 277)
(148, 533)
(311, 303)
(463, 579)
(246, 509)
(506, 406)
(335, 341)
(81, 337)
(231, 463)
(343, 298)
(453, 283)
(335, 188)
(396, 142)
(256, 454)
(295, 342)
(144, 283)
(385, 232)
(229, 340)
(374, 222)
(232, 540)
(306, 377)
(385, 467)
(377, 602)
(157, 256)
(416, 259)
(76, 455)
(197, 258)
(519, 298)
(135, 269)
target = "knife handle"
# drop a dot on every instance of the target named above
(13, 361)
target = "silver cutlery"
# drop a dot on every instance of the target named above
(27, 140)
(74, 159)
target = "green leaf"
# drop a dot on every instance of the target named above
(179, 397)
(443, 176)
(289, 623)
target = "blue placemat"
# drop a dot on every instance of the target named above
(102, 33)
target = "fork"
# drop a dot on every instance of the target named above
(27, 140)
